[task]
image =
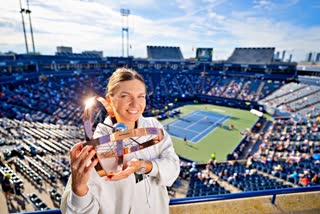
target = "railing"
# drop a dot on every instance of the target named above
(274, 193)
(211, 198)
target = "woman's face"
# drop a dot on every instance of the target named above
(128, 101)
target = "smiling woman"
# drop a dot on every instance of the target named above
(126, 97)
(141, 186)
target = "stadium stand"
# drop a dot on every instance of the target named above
(42, 103)
(252, 56)
(164, 53)
(300, 99)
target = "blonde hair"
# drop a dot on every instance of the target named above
(121, 75)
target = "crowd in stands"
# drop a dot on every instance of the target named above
(290, 149)
(60, 99)
(246, 178)
(254, 174)
(35, 148)
(37, 156)
(200, 180)
(54, 101)
(300, 99)
(309, 112)
(290, 140)
(275, 98)
(301, 173)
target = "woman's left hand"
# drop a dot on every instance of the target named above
(131, 166)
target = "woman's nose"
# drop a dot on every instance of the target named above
(134, 102)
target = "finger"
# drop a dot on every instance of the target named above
(81, 162)
(122, 174)
(129, 168)
(92, 164)
(78, 160)
(134, 163)
(86, 161)
(85, 152)
(75, 150)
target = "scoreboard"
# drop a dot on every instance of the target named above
(204, 54)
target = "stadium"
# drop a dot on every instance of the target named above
(258, 115)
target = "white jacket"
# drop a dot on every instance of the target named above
(126, 196)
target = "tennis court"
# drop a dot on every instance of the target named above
(196, 125)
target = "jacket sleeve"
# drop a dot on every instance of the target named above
(166, 168)
(71, 203)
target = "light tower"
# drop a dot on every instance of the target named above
(125, 28)
(28, 11)
(22, 10)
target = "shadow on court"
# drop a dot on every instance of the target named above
(191, 146)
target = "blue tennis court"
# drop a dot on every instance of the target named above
(195, 125)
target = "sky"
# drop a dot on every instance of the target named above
(290, 25)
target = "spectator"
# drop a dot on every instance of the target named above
(193, 169)
(7, 187)
(294, 177)
(210, 165)
(304, 181)
(315, 179)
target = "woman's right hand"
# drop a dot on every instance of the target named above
(82, 163)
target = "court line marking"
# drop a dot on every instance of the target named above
(212, 128)
(196, 112)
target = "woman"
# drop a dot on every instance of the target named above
(87, 192)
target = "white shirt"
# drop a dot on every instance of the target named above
(126, 196)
